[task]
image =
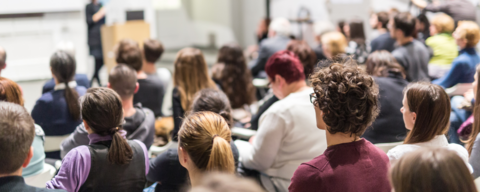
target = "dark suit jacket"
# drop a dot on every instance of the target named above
(267, 48)
(81, 79)
(17, 184)
(94, 35)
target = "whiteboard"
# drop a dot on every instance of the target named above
(40, 6)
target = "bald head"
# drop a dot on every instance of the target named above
(3, 58)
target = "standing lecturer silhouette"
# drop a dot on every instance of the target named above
(95, 14)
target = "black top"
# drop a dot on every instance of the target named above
(413, 57)
(94, 35)
(383, 42)
(261, 110)
(17, 184)
(133, 122)
(105, 176)
(178, 113)
(150, 94)
(389, 125)
(170, 174)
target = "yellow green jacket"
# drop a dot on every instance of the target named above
(444, 49)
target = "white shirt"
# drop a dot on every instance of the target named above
(438, 141)
(287, 136)
(61, 86)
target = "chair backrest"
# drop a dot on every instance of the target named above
(387, 146)
(477, 183)
(458, 89)
(40, 179)
(52, 143)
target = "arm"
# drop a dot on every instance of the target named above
(77, 138)
(306, 178)
(453, 76)
(145, 155)
(266, 143)
(437, 7)
(74, 171)
(261, 61)
(420, 3)
(178, 113)
(40, 113)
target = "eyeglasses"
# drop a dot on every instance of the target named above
(313, 98)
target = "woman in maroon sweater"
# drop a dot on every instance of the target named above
(346, 103)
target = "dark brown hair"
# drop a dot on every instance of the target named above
(383, 18)
(357, 34)
(405, 22)
(128, 52)
(476, 115)
(431, 170)
(10, 91)
(306, 55)
(63, 66)
(347, 96)
(152, 50)
(432, 105)
(215, 101)
(380, 63)
(3, 57)
(17, 131)
(235, 78)
(103, 113)
(123, 80)
(206, 137)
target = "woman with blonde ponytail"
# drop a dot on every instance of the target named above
(204, 145)
(109, 162)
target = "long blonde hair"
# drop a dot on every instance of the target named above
(191, 75)
(206, 138)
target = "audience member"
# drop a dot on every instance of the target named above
(467, 36)
(262, 30)
(334, 45)
(217, 182)
(139, 122)
(190, 76)
(346, 103)
(357, 46)
(234, 78)
(204, 146)
(422, 28)
(379, 22)
(411, 54)
(58, 111)
(95, 16)
(426, 111)
(431, 170)
(341, 26)
(17, 132)
(443, 45)
(305, 54)
(166, 168)
(287, 135)
(459, 10)
(109, 162)
(3, 59)
(390, 78)
(152, 52)
(320, 28)
(11, 92)
(151, 91)
(473, 142)
(278, 38)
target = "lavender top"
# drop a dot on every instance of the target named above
(76, 165)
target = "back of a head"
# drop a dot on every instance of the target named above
(17, 131)
(10, 91)
(152, 50)
(405, 22)
(214, 101)
(357, 33)
(383, 18)
(322, 27)
(305, 54)
(286, 64)
(469, 31)
(443, 23)
(190, 75)
(206, 137)
(348, 97)
(63, 67)
(431, 170)
(431, 104)
(381, 63)
(236, 80)
(123, 79)
(218, 182)
(3, 58)
(281, 26)
(103, 113)
(335, 42)
(128, 52)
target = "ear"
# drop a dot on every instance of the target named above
(108, 85)
(4, 66)
(87, 127)
(182, 157)
(280, 80)
(414, 116)
(137, 86)
(29, 157)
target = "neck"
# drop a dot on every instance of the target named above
(195, 178)
(128, 108)
(339, 138)
(16, 173)
(404, 40)
(297, 86)
(382, 30)
(141, 75)
(149, 68)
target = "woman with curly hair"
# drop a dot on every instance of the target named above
(346, 103)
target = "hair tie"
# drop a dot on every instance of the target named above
(213, 137)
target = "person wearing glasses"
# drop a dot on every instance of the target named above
(287, 135)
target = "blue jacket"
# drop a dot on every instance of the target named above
(51, 113)
(81, 79)
(463, 69)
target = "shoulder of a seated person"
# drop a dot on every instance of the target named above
(398, 151)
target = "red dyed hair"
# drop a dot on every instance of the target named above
(285, 64)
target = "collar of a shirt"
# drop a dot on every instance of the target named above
(61, 86)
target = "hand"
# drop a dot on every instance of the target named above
(420, 3)
(99, 15)
(469, 95)
(251, 139)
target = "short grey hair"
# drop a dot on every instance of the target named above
(281, 26)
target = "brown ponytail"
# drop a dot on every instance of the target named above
(63, 66)
(102, 111)
(206, 138)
